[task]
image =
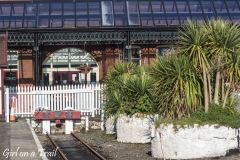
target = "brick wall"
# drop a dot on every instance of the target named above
(105, 55)
(26, 68)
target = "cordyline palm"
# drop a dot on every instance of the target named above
(233, 71)
(114, 89)
(223, 39)
(192, 43)
(176, 86)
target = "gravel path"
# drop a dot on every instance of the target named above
(108, 146)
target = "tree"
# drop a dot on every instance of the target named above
(223, 40)
(192, 43)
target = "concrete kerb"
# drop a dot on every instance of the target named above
(39, 146)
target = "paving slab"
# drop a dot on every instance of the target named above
(17, 142)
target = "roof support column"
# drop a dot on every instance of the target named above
(36, 58)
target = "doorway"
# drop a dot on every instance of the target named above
(65, 67)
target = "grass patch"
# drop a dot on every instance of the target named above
(227, 116)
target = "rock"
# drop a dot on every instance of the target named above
(135, 129)
(110, 125)
(190, 142)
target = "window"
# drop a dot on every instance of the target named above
(208, 10)
(69, 23)
(196, 10)
(133, 13)
(221, 9)
(43, 8)
(30, 10)
(93, 77)
(16, 23)
(94, 14)
(56, 8)
(5, 9)
(171, 12)
(68, 9)
(183, 11)
(132, 54)
(43, 22)
(55, 22)
(120, 13)
(146, 13)
(107, 13)
(234, 10)
(81, 14)
(158, 13)
(29, 22)
(18, 10)
(164, 50)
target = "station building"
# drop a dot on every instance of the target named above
(68, 41)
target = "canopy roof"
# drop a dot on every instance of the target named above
(113, 13)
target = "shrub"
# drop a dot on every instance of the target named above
(217, 114)
(128, 90)
(177, 86)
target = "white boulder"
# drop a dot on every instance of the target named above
(110, 125)
(190, 142)
(135, 129)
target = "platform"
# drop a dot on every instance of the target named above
(17, 142)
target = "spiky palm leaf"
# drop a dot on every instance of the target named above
(176, 86)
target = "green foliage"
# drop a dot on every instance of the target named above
(128, 90)
(177, 86)
(227, 116)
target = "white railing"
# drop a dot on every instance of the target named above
(88, 99)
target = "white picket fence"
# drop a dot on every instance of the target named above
(88, 99)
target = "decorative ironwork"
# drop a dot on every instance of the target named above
(64, 37)
(74, 38)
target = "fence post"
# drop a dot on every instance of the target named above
(92, 104)
(7, 107)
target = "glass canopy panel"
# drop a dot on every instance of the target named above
(16, 23)
(5, 10)
(234, 10)
(4, 23)
(171, 12)
(196, 11)
(133, 13)
(120, 13)
(43, 22)
(183, 11)
(146, 16)
(220, 6)
(30, 9)
(81, 14)
(208, 9)
(69, 23)
(56, 22)
(94, 14)
(43, 9)
(158, 13)
(107, 13)
(29, 22)
(17, 10)
(56, 9)
(68, 8)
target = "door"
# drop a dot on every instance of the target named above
(60, 77)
